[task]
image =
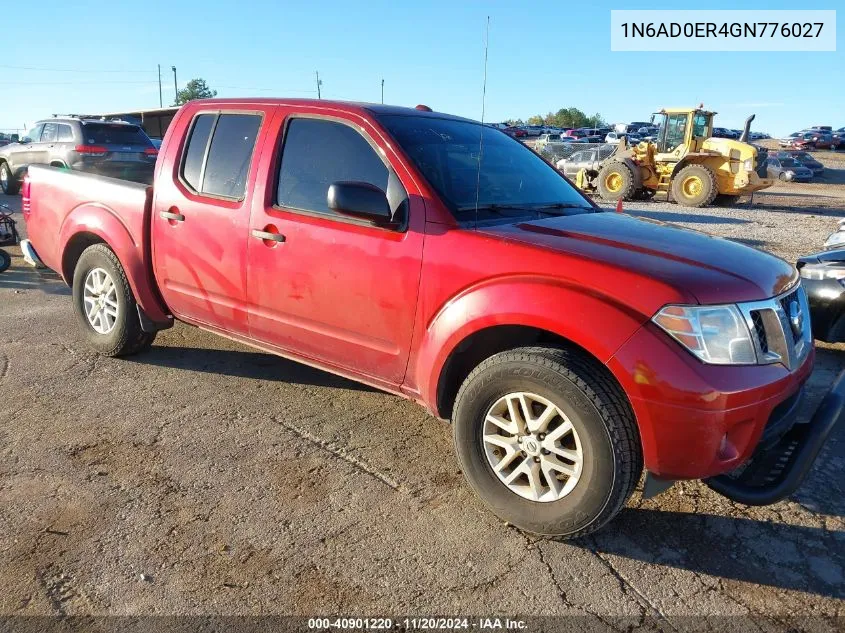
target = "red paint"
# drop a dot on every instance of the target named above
(389, 307)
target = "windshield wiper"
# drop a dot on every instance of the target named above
(562, 205)
(496, 208)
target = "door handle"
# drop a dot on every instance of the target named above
(176, 217)
(266, 235)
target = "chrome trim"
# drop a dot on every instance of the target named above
(781, 346)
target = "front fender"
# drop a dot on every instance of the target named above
(103, 222)
(597, 323)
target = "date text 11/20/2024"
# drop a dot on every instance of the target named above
(418, 624)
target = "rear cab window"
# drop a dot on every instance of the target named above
(218, 153)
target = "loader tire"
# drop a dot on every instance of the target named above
(616, 181)
(694, 186)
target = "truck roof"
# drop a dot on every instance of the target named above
(347, 106)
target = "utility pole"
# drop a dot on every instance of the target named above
(160, 98)
(319, 83)
(382, 91)
(175, 87)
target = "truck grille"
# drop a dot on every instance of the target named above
(780, 331)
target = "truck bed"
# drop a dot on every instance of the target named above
(61, 200)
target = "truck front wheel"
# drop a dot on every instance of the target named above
(547, 440)
(105, 307)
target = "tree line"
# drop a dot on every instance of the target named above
(565, 118)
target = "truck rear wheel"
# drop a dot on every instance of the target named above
(105, 307)
(616, 181)
(694, 186)
(547, 440)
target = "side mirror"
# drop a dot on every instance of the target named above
(360, 199)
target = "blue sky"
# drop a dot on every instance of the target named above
(543, 56)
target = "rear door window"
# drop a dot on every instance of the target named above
(65, 133)
(319, 152)
(220, 167)
(49, 134)
(227, 165)
(196, 148)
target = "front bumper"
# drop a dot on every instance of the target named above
(747, 182)
(778, 467)
(696, 420)
(827, 308)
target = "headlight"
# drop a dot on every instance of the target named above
(823, 271)
(748, 164)
(715, 334)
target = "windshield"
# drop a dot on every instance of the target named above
(512, 180)
(114, 134)
(787, 162)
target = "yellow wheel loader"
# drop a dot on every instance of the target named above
(683, 162)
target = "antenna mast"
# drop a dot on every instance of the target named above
(481, 129)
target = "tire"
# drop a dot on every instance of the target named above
(694, 186)
(8, 184)
(782, 177)
(5, 260)
(725, 200)
(604, 431)
(125, 336)
(616, 182)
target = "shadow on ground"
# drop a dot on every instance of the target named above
(778, 555)
(21, 276)
(243, 364)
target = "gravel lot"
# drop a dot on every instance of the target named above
(204, 477)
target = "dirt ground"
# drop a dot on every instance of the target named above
(204, 477)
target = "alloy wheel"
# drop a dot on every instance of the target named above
(99, 298)
(532, 447)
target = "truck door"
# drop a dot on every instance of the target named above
(337, 289)
(200, 216)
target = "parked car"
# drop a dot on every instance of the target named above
(516, 132)
(805, 159)
(593, 139)
(109, 148)
(812, 139)
(636, 126)
(787, 169)
(823, 276)
(534, 130)
(721, 132)
(614, 137)
(786, 141)
(838, 138)
(569, 346)
(589, 159)
(574, 133)
(648, 133)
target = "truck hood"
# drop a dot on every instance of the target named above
(696, 265)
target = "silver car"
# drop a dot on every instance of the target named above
(788, 170)
(589, 159)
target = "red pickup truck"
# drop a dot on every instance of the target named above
(443, 261)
